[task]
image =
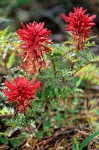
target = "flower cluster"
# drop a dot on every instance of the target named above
(79, 24)
(34, 37)
(21, 91)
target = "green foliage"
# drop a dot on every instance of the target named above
(46, 124)
(6, 110)
(3, 140)
(87, 140)
(39, 134)
(15, 142)
(23, 2)
(8, 46)
(89, 72)
(11, 60)
(78, 146)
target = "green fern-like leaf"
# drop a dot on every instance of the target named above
(11, 60)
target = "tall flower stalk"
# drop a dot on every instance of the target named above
(34, 39)
(80, 25)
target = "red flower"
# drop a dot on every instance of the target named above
(34, 38)
(79, 24)
(21, 91)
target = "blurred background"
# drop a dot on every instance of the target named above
(13, 12)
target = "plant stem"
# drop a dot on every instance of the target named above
(54, 67)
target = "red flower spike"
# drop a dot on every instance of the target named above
(34, 37)
(21, 91)
(79, 24)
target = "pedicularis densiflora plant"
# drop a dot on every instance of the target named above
(46, 86)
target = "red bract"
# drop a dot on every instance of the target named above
(21, 91)
(79, 24)
(34, 37)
